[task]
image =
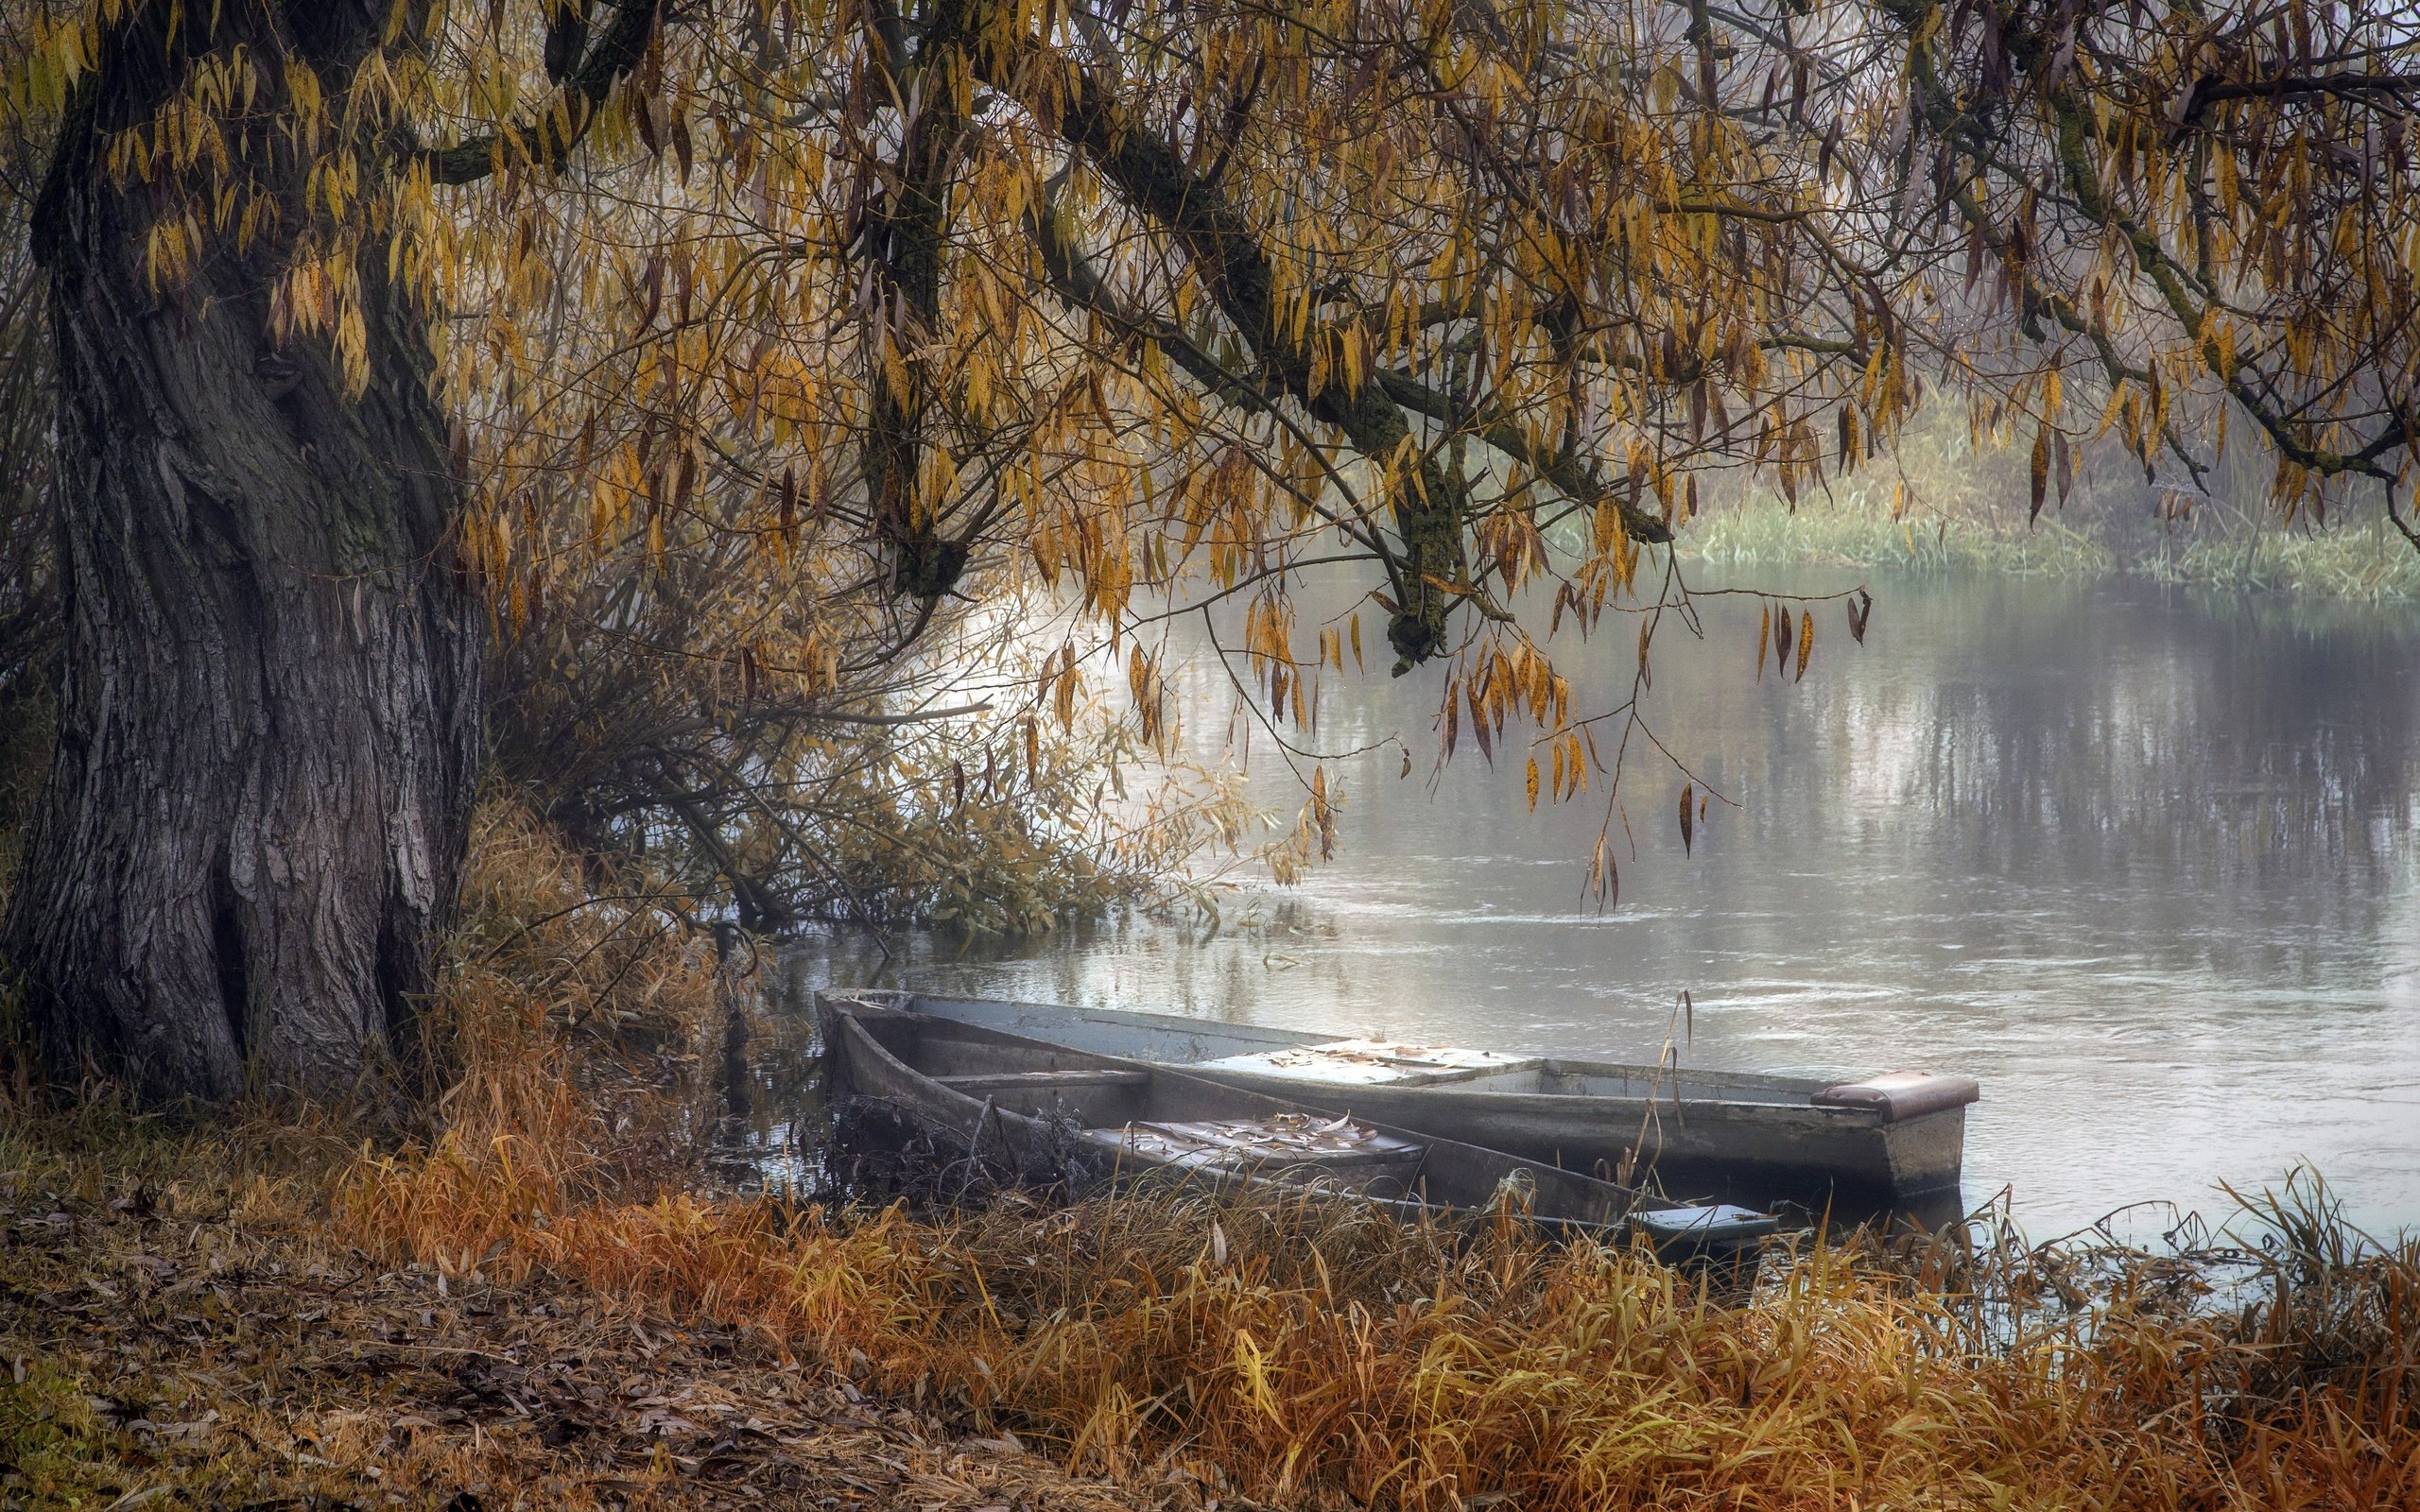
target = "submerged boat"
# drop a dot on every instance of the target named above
(1895, 1141)
(1020, 1097)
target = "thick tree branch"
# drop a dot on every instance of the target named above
(611, 56)
(1576, 479)
(1080, 286)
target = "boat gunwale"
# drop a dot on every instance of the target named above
(1795, 1088)
(862, 1040)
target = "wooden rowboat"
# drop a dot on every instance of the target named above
(1889, 1141)
(1013, 1096)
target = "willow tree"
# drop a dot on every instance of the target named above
(1181, 297)
(889, 307)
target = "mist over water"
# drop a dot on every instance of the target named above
(2142, 862)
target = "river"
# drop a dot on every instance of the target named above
(2141, 860)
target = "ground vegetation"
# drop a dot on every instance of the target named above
(183, 1330)
(550, 1303)
(556, 1295)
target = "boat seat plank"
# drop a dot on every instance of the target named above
(1042, 1081)
(1375, 1063)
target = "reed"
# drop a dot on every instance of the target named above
(1306, 1350)
(2361, 563)
(1855, 528)
(2358, 563)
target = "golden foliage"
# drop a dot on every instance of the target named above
(867, 309)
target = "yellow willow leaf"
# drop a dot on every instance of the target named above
(2038, 473)
(2112, 410)
(1534, 784)
(1064, 696)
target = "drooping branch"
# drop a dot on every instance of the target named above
(1080, 286)
(2082, 144)
(1430, 504)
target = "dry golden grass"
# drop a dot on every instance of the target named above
(1331, 1358)
(573, 1011)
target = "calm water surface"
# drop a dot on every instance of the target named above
(2144, 863)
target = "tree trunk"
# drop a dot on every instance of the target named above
(255, 816)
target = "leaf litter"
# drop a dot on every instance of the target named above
(191, 1351)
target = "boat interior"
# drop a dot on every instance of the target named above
(1171, 1120)
(1031, 1078)
(1339, 1149)
(1446, 1068)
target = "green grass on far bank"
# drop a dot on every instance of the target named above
(2361, 561)
(1941, 502)
(1852, 530)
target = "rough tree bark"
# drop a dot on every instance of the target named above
(258, 806)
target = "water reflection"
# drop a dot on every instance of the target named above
(2143, 863)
